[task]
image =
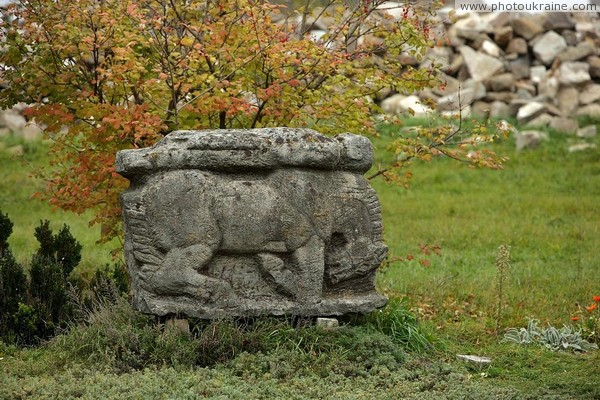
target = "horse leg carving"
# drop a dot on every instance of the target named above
(275, 271)
(181, 274)
(310, 262)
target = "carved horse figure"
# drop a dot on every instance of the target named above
(308, 231)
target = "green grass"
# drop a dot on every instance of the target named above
(545, 204)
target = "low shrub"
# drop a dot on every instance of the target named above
(13, 284)
(112, 334)
(32, 310)
(13, 292)
(61, 248)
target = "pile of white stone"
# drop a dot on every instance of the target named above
(541, 69)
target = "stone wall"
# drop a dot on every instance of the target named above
(541, 69)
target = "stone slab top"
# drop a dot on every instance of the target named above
(248, 149)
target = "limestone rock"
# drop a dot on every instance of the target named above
(590, 110)
(571, 37)
(553, 110)
(574, 72)
(524, 94)
(575, 53)
(461, 98)
(400, 104)
(477, 360)
(463, 112)
(390, 105)
(481, 66)
(479, 91)
(491, 49)
(537, 73)
(520, 67)
(530, 110)
(530, 139)
(586, 27)
(581, 147)
(498, 19)
(526, 87)
(436, 56)
(517, 46)
(503, 35)
(541, 121)
(272, 221)
(550, 45)
(587, 132)
(527, 27)
(471, 26)
(457, 63)
(501, 82)
(327, 323)
(565, 125)
(505, 97)
(548, 87)
(12, 120)
(568, 99)
(590, 94)
(450, 85)
(407, 59)
(481, 109)
(558, 21)
(499, 109)
(32, 131)
(594, 69)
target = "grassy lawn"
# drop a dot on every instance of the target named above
(545, 204)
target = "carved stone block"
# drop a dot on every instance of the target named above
(272, 221)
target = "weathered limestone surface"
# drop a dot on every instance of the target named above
(252, 222)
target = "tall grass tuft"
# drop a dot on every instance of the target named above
(396, 321)
(502, 272)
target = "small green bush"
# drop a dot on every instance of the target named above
(57, 256)
(13, 284)
(5, 232)
(48, 293)
(61, 248)
(31, 311)
(25, 325)
(111, 275)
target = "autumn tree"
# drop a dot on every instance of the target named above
(105, 75)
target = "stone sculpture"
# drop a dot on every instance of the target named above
(252, 222)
